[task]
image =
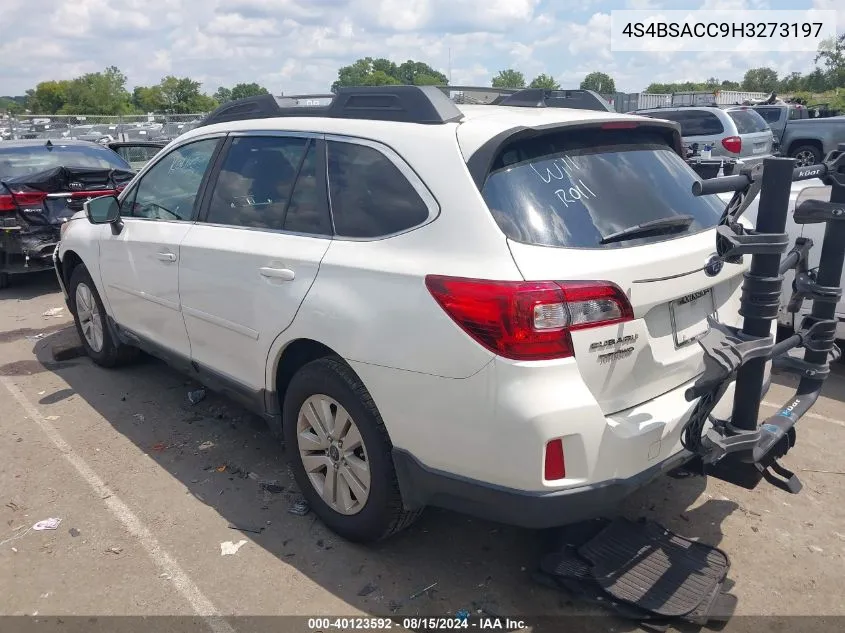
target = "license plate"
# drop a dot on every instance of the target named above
(759, 149)
(689, 316)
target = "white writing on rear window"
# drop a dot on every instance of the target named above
(560, 168)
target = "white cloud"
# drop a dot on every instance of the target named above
(298, 45)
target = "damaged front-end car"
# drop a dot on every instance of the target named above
(35, 206)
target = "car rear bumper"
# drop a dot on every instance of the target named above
(423, 486)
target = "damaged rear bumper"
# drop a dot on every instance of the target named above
(23, 249)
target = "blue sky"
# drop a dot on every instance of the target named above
(298, 45)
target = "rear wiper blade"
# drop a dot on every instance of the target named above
(674, 224)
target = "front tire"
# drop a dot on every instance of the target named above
(340, 453)
(91, 324)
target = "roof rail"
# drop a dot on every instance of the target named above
(407, 104)
(541, 98)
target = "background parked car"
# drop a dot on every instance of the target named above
(732, 133)
(805, 139)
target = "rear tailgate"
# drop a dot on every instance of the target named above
(757, 140)
(567, 203)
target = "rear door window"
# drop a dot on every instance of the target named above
(693, 122)
(573, 189)
(748, 121)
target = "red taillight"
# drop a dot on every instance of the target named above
(528, 320)
(619, 125)
(554, 466)
(732, 144)
(21, 198)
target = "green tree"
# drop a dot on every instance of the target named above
(11, 105)
(419, 74)
(48, 97)
(760, 80)
(182, 95)
(242, 91)
(546, 82)
(368, 71)
(729, 85)
(793, 82)
(509, 78)
(223, 94)
(832, 55)
(98, 93)
(148, 99)
(599, 82)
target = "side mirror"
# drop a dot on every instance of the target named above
(104, 210)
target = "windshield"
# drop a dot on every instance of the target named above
(23, 160)
(575, 189)
(748, 121)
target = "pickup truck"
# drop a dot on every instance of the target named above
(807, 140)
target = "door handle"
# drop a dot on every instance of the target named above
(167, 257)
(285, 274)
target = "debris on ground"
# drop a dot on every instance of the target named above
(51, 418)
(139, 416)
(300, 508)
(53, 312)
(419, 593)
(114, 550)
(196, 396)
(36, 337)
(815, 548)
(221, 469)
(272, 486)
(47, 524)
(367, 589)
(73, 532)
(228, 548)
(246, 528)
(159, 446)
(206, 445)
(253, 476)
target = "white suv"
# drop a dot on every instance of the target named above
(492, 309)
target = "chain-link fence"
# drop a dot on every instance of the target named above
(98, 128)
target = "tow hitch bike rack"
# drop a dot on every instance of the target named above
(739, 450)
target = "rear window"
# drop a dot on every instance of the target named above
(23, 160)
(748, 121)
(573, 189)
(693, 122)
(770, 115)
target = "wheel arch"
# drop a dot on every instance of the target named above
(793, 145)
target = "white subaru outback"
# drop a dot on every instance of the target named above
(492, 309)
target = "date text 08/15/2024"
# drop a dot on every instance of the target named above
(459, 621)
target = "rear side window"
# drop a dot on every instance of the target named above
(370, 197)
(770, 115)
(693, 122)
(748, 121)
(574, 189)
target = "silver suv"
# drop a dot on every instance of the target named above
(734, 132)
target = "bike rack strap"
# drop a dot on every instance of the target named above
(818, 211)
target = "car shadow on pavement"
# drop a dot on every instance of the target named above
(446, 562)
(30, 285)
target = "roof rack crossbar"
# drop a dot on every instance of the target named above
(542, 98)
(406, 104)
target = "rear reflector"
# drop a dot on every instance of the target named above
(732, 144)
(554, 466)
(528, 320)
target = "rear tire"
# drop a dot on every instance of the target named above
(326, 386)
(91, 322)
(806, 155)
